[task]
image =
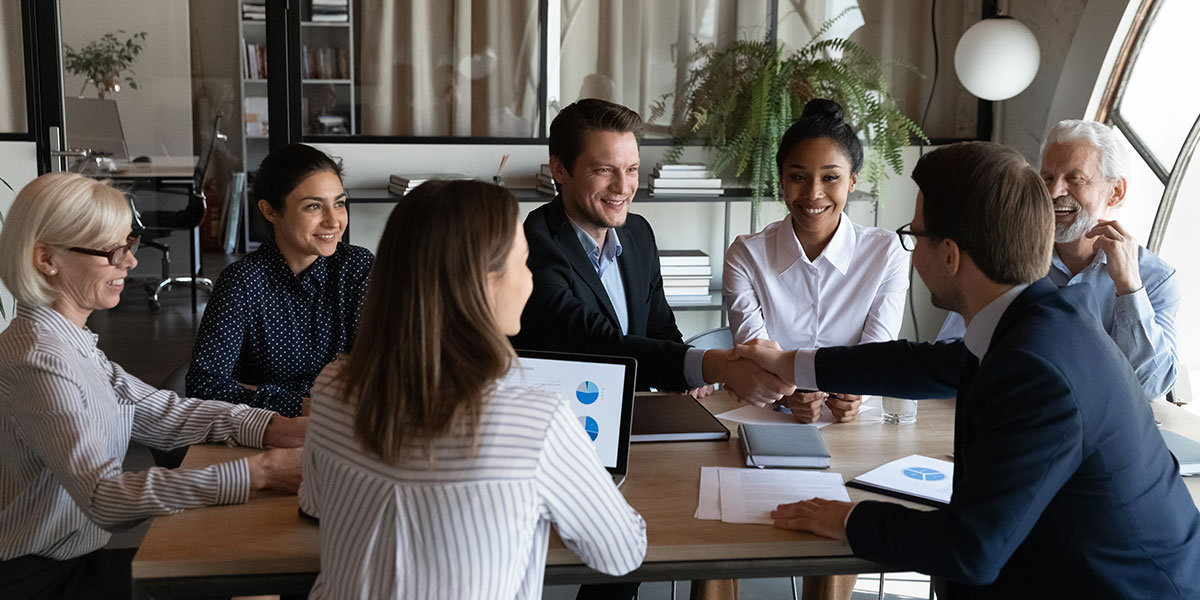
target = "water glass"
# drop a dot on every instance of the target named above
(899, 410)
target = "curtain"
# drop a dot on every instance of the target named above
(449, 67)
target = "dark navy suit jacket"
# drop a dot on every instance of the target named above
(569, 310)
(1063, 486)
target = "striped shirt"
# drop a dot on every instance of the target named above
(67, 415)
(473, 526)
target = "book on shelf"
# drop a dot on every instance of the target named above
(545, 170)
(692, 193)
(692, 167)
(689, 300)
(683, 258)
(684, 184)
(699, 290)
(256, 116)
(798, 446)
(686, 271)
(676, 281)
(256, 61)
(679, 174)
(545, 189)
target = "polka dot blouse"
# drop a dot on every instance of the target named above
(267, 327)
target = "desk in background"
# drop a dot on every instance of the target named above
(264, 546)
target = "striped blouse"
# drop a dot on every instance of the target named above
(67, 415)
(472, 526)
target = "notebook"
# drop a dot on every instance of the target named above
(921, 479)
(673, 417)
(797, 446)
(599, 390)
(1186, 451)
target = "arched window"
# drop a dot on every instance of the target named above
(1152, 98)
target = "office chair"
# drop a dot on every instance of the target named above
(158, 225)
(713, 339)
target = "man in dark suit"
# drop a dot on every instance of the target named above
(597, 286)
(1063, 486)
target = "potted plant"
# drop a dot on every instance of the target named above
(102, 62)
(741, 99)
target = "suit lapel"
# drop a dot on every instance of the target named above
(635, 278)
(568, 243)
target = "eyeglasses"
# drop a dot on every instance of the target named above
(117, 255)
(908, 237)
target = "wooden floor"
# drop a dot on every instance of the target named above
(150, 345)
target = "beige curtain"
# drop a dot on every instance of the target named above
(449, 67)
(13, 118)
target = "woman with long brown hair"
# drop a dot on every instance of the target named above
(431, 477)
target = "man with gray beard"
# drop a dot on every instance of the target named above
(1084, 166)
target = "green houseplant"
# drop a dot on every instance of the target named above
(104, 61)
(741, 99)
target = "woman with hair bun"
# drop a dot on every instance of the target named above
(815, 278)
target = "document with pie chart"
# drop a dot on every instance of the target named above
(594, 391)
(918, 478)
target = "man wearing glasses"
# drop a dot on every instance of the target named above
(1137, 294)
(1062, 486)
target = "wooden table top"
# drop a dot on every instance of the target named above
(266, 536)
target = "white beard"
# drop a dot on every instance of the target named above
(1084, 221)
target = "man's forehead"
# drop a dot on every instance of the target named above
(610, 144)
(1075, 155)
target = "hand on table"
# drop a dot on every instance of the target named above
(284, 432)
(823, 517)
(844, 407)
(701, 392)
(1121, 250)
(277, 469)
(805, 406)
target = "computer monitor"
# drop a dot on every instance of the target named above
(95, 124)
(599, 389)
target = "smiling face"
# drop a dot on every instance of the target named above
(1082, 194)
(84, 283)
(312, 220)
(815, 180)
(598, 191)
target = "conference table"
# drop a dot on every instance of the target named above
(266, 547)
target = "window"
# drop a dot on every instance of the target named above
(13, 115)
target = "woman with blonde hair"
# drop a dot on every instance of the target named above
(67, 413)
(430, 476)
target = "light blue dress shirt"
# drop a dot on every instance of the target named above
(604, 260)
(1141, 323)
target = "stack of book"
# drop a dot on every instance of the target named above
(403, 184)
(255, 66)
(324, 63)
(683, 180)
(254, 10)
(686, 275)
(545, 181)
(330, 11)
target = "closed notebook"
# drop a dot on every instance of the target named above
(673, 417)
(1186, 451)
(797, 446)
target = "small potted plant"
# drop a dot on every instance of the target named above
(741, 99)
(104, 62)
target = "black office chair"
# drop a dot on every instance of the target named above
(158, 225)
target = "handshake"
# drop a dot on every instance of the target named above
(761, 373)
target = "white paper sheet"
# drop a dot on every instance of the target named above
(768, 416)
(749, 495)
(709, 507)
(915, 475)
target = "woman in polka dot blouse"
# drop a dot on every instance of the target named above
(283, 312)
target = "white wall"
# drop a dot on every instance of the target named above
(675, 225)
(157, 117)
(18, 166)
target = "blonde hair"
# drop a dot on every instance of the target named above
(428, 351)
(57, 209)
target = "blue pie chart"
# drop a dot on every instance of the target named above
(587, 392)
(924, 474)
(591, 427)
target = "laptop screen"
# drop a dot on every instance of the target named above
(598, 388)
(95, 125)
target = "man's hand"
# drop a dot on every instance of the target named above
(844, 407)
(277, 469)
(779, 362)
(805, 406)
(1121, 249)
(283, 432)
(743, 378)
(822, 517)
(701, 392)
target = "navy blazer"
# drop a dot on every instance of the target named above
(1063, 486)
(570, 311)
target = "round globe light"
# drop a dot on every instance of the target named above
(997, 58)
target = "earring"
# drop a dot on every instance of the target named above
(52, 272)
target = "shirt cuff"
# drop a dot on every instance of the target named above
(233, 482)
(805, 369)
(1133, 307)
(693, 368)
(253, 426)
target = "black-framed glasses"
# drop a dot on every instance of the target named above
(908, 237)
(117, 255)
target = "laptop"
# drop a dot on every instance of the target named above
(599, 390)
(96, 125)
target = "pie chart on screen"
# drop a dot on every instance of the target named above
(590, 426)
(587, 392)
